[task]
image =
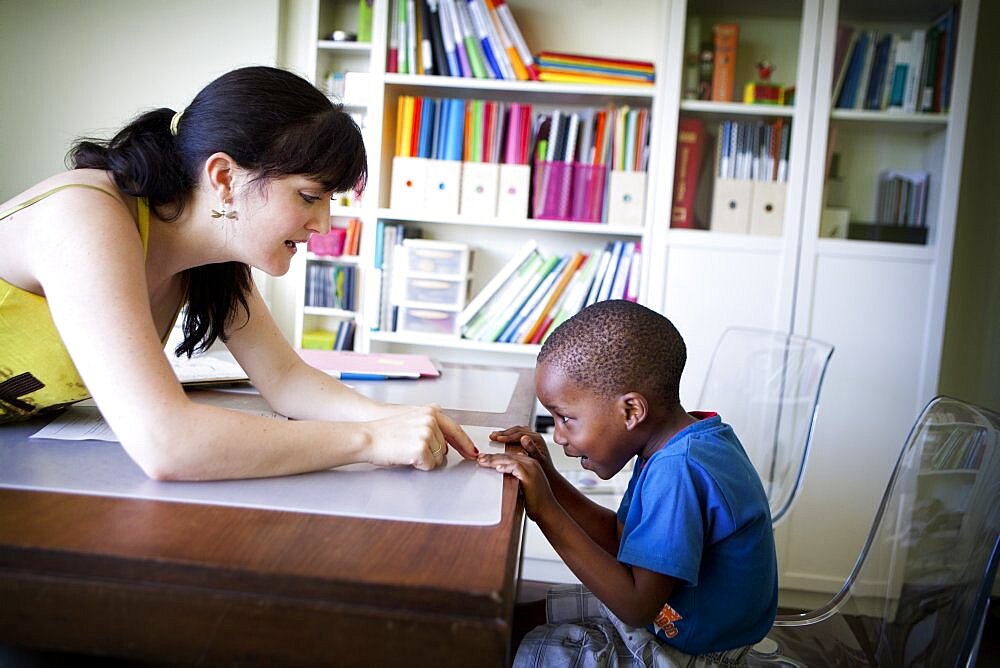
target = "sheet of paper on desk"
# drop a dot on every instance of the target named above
(460, 493)
(85, 423)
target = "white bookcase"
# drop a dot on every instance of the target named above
(881, 304)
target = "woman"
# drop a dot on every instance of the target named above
(96, 263)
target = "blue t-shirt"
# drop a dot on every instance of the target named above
(696, 510)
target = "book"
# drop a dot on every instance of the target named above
(514, 32)
(555, 297)
(913, 72)
(609, 275)
(521, 321)
(502, 300)
(846, 37)
(852, 78)
(507, 44)
(900, 73)
(576, 293)
(622, 271)
(526, 284)
(634, 270)
(861, 88)
(687, 167)
(599, 272)
(498, 281)
(481, 33)
(441, 57)
(725, 40)
(879, 67)
(929, 70)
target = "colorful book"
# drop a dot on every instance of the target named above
(546, 313)
(725, 39)
(528, 311)
(522, 285)
(514, 32)
(501, 301)
(687, 167)
(576, 293)
(507, 43)
(497, 282)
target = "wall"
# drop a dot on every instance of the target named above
(74, 67)
(970, 363)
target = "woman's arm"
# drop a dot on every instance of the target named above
(87, 256)
(294, 388)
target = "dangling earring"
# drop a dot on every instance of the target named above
(225, 213)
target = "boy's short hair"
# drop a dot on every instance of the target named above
(618, 346)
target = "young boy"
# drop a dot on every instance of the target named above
(687, 566)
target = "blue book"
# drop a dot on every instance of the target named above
(538, 282)
(454, 131)
(427, 109)
(849, 91)
(514, 330)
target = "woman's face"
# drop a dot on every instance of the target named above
(278, 216)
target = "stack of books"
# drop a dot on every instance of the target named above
(535, 292)
(458, 38)
(572, 68)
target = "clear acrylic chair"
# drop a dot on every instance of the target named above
(919, 592)
(766, 385)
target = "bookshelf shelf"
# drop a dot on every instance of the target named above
(708, 108)
(526, 90)
(875, 250)
(682, 238)
(343, 47)
(437, 341)
(334, 259)
(890, 120)
(328, 312)
(512, 223)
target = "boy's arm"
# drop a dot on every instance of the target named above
(635, 595)
(597, 521)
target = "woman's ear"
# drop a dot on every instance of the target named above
(634, 408)
(220, 168)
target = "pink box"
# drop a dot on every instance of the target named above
(588, 192)
(331, 243)
(553, 185)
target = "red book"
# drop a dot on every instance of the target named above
(726, 37)
(690, 147)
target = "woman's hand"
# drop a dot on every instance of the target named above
(533, 444)
(534, 485)
(417, 436)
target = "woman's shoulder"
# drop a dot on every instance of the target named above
(73, 185)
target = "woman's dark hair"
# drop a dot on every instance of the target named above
(273, 123)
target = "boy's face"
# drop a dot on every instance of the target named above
(587, 425)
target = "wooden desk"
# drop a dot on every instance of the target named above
(192, 583)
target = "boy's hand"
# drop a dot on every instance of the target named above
(532, 443)
(534, 485)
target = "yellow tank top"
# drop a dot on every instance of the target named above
(36, 372)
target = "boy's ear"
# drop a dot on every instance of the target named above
(634, 409)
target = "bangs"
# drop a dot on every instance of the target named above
(329, 150)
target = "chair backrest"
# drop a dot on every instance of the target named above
(766, 385)
(919, 591)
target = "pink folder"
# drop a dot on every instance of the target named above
(388, 364)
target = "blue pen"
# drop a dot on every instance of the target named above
(360, 375)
